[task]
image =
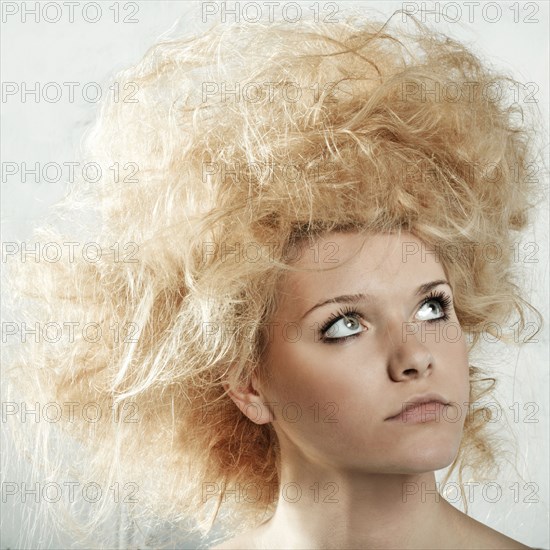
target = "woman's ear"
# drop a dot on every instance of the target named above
(250, 402)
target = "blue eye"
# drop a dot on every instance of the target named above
(341, 326)
(443, 302)
(346, 324)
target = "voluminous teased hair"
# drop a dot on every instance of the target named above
(223, 151)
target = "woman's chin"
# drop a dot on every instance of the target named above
(423, 460)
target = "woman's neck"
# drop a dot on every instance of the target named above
(328, 508)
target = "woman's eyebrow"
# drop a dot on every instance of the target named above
(353, 298)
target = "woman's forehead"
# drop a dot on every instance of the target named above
(354, 263)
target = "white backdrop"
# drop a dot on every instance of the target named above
(514, 36)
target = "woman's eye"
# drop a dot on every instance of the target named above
(430, 308)
(346, 326)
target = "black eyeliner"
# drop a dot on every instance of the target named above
(440, 296)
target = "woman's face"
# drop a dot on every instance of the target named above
(339, 368)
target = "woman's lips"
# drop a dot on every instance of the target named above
(419, 413)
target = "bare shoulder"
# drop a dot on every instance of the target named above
(474, 534)
(483, 536)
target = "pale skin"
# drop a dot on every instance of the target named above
(350, 477)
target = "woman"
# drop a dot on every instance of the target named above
(297, 219)
(366, 460)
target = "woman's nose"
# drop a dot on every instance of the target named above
(408, 356)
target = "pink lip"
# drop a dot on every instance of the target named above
(420, 409)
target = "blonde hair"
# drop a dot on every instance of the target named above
(242, 142)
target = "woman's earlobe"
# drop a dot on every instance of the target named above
(250, 403)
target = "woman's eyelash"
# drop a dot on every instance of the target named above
(441, 297)
(445, 302)
(347, 311)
